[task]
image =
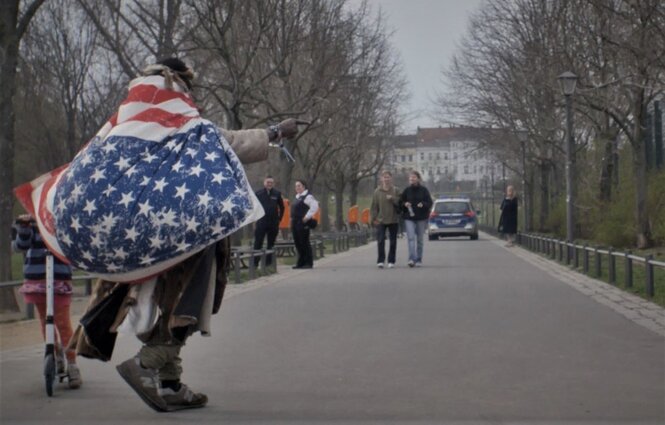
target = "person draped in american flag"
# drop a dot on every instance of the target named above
(147, 205)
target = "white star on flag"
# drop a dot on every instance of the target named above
(122, 163)
(211, 156)
(89, 207)
(127, 198)
(120, 253)
(76, 225)
(192, 224)
(160, 184)
(108, 148)
(177, 166)
(217, 178)
(131, 234)
(145, 208)
(181, 191)
(196, 170)
(109, 190)
(204, 199)
(97, 175)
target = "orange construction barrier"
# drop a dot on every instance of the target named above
(353, 214)
(364, 218)
(285, 223)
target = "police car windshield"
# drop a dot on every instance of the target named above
(451, 207)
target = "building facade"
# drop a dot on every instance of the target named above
(448, 158)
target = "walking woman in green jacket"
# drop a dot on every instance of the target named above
(385, 216)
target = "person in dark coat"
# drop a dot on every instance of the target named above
(416, 203)
(268, 225)
(303, 209)
(508, 219)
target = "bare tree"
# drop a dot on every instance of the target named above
(14, 21)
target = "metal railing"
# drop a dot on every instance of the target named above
(592, 259)
(244, 259)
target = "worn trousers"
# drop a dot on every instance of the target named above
(381, 241)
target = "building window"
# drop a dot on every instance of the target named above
(474, 169)
(403, 158)
(481, 169)
(438, 170)
(410, 158)
(454, 155)
(445, 169)
(466, 169)
(422, 156)
(445, 155)
(438, 156)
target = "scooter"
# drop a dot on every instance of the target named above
(55, 365)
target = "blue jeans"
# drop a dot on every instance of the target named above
(415, 233)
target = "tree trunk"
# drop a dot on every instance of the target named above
(606, 169)
(353, 192)
(325, 208)
(640, 174)
(8, 60)
(339, 207)
(544, 195)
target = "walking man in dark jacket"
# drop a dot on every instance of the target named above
(268, 225)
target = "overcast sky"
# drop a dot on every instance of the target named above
(426, 32)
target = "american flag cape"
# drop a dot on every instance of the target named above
(157, 184)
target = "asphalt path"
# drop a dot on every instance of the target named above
(476, 335)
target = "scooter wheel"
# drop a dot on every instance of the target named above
(49, 373)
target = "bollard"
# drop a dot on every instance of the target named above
(611, 268)
(586, 259)
(568, 256)
(252, 266)
(629, 270)
(560, 251)
(264, 259)
(553, 250)
(236, 264)
(649, 275)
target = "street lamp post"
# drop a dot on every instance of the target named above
(568, 81)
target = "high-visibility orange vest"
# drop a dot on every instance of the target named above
(285, 223)
(364, 218)
(353, 214)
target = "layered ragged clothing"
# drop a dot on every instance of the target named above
(180, 300)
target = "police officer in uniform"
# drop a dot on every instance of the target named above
(303, 209)
(268, 225)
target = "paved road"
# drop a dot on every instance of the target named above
(477, 335)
